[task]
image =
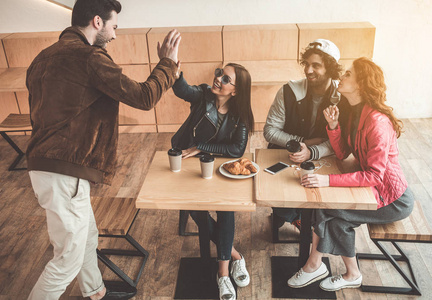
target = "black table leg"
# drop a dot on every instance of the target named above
(284, 267)
(204, 234)
(197, 276)
(305, 237)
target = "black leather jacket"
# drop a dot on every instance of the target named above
(200, 129)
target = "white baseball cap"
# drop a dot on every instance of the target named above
(325, 46)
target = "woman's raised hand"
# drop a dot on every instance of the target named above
(331, 115)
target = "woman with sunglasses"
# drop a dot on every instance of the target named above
(219, 124)
(370, 134)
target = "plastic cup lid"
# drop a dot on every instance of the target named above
(307, 165)
(293, 146)
(206, 158)
(174, 152)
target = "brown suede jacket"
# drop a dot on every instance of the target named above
(74, 94)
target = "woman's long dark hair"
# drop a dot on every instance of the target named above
(370, 79)
(240, 104)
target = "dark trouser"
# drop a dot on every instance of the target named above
(221, 232)
(288, 214)
(335, 227)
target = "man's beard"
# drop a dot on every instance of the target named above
(101, 39)
(319, 81)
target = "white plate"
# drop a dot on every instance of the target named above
(229, 175)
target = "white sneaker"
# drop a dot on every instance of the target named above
(239, 272)
(302, 278)
(337, 282)
(226, 289)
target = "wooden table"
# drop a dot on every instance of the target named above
(187, 190)
(284, 190)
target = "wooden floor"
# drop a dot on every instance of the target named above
(25, 248)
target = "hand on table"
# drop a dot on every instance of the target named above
(331, 114)
(315, 180)
(301, 156)
(190, 152)
(170, 46)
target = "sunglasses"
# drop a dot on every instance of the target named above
(225, 78)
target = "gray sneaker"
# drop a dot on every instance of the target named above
(239, 272)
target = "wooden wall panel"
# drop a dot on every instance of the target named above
(13, 79)
(353, 39)
(260, 42)
(130, 46)
(273, 72)
(8, 105)
(198, 44)
(3, 62)
(22, 98)
(137, 128)
(172, 110)
(346, 63)
(129, 115)
(168, 128)
(22, 48)
(262, 98)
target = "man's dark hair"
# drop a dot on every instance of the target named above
(85, 10)
(333, 69)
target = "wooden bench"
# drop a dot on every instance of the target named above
(114, 218)
(15, 123)
(413, 229)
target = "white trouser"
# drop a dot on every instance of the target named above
(73, 233)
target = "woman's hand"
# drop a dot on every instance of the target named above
(190, 152)
(302, 155)
(331, 115)
(315, 180)
(177, 75)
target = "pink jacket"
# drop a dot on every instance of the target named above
(377, 152)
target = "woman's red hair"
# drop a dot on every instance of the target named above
(370, 79)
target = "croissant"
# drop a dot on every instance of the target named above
(242, 166)
(248, 165)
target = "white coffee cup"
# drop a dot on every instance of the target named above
(207, 166)
(175, 159)
(306, 167)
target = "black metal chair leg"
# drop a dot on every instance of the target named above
(140, 251)
(412, 290)
(113, 267)
(183, 219)
(21, 154)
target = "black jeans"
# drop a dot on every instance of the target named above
(288, 214)
(221, 232)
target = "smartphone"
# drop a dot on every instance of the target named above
(276, 168)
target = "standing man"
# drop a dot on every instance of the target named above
(74, 93)
(297, 111)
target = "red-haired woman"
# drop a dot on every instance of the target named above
(370, 134)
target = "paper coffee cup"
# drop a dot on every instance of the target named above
(306, 167)
(207, 165)
(293, 146)
(175, 159)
